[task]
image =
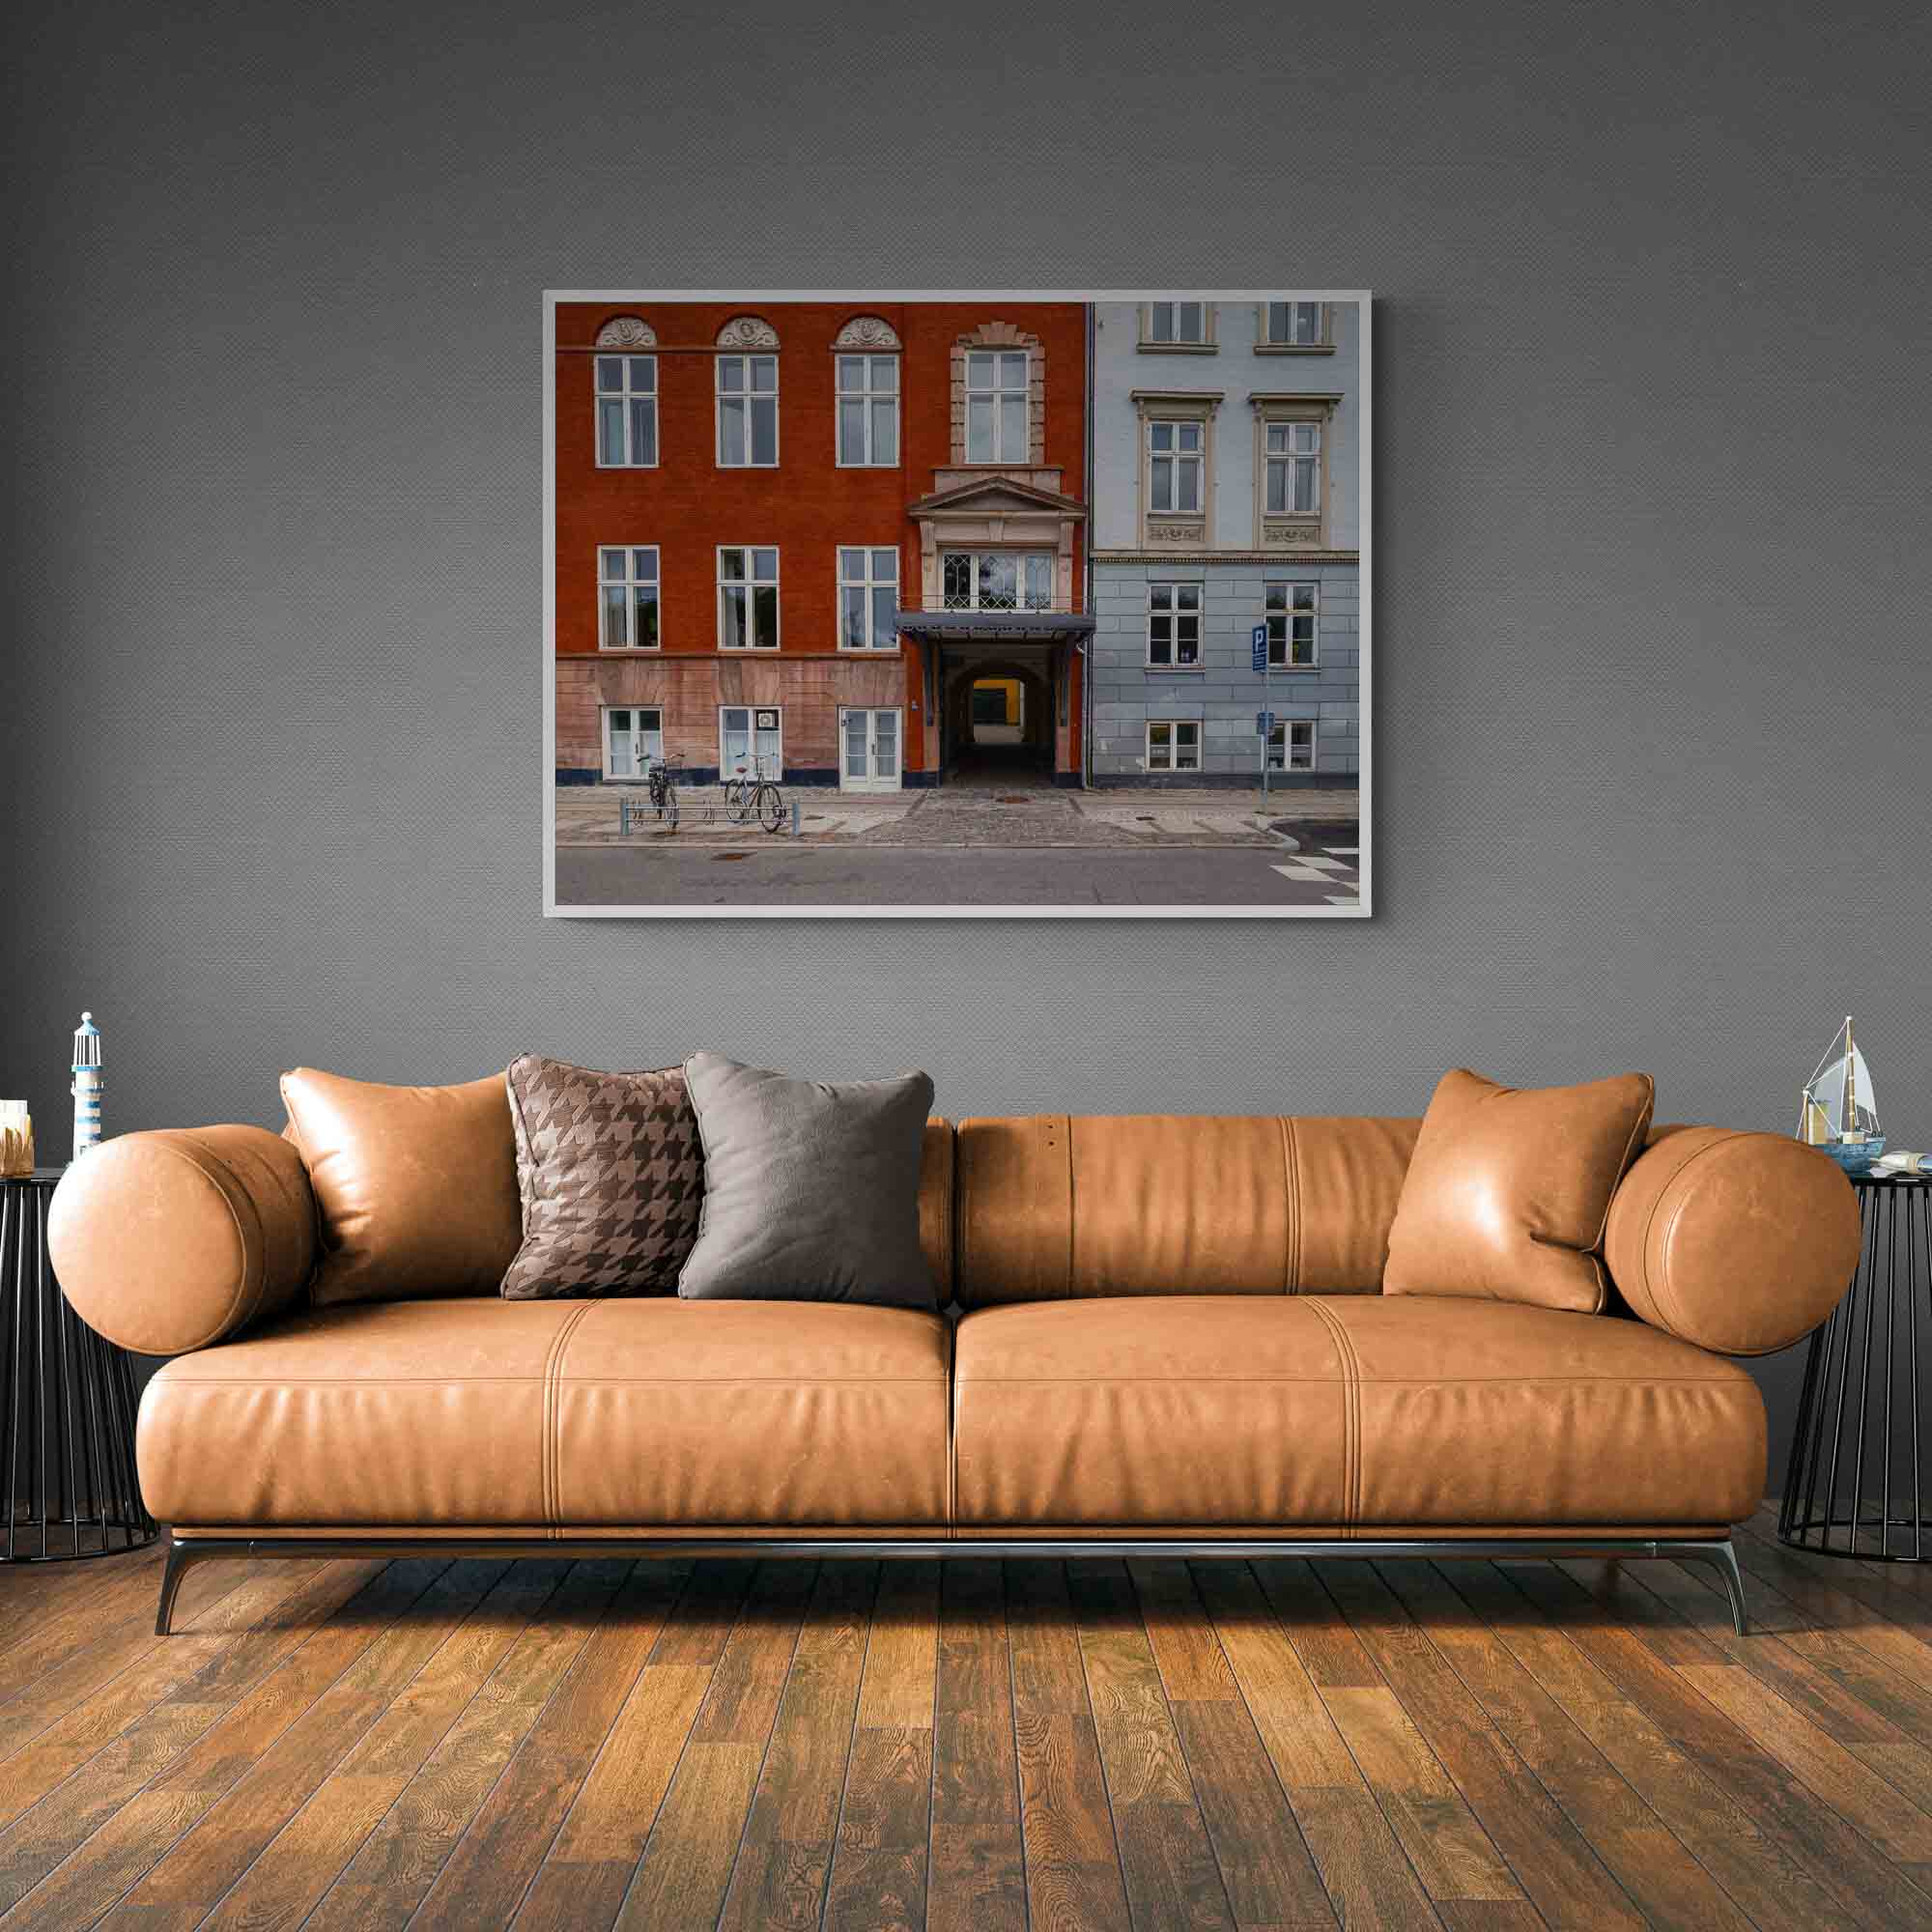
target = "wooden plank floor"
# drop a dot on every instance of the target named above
(978, 1746)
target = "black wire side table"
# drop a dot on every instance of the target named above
(1856, 1481)
(67, 1399)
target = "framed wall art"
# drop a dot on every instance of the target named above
(893, 604)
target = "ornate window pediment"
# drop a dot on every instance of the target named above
(627, 332)
(747, 331)
(867, 331)
(1291, 467)
(999, 396)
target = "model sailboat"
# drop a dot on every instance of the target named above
(1839, 1115)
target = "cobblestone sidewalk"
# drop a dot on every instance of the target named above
(968, 816)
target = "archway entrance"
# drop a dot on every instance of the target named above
(999, 723)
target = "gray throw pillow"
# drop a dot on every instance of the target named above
(811, 1189)
(610, 1172)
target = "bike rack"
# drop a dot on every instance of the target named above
(636, 817)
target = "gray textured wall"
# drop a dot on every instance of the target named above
(1650, 487)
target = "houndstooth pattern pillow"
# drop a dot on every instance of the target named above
(612, 1173)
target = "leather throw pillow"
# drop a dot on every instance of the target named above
(811, 1189)
(1509, 1189)
(610, 1173)
(416, 1186)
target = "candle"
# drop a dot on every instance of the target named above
(16, 1138)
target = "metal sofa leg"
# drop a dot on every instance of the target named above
(180, 1558)
(1723, 1557)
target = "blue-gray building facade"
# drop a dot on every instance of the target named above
(1226, 494)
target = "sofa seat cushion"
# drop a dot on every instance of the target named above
(1344, 1412)
(557, 1414)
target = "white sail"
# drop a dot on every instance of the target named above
(1837, 1086)
(1864, 1103)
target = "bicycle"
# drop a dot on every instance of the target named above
(749, 795)
(663, 792)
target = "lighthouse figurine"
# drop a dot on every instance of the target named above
(87, 1082)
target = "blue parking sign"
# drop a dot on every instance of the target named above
(1259, 638)
(1264, 722)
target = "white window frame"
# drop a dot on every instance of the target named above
(1296, 312)
(869, 396)
(866, 581)
(756, 770)
(1173, 613)
(873, 712)
(748, 395)
(1286, 615)
(631, 584)
(1155, 313)
(643, 764)
(993, 395)
(1173, 726)
(627, 395)
(1291, 735)
(1196, 459)
(750, 584)
(1287, 460)
(1022, 561)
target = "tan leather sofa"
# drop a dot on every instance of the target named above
(1169, 1332)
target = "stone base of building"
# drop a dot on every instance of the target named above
(687, 698)
(812, 776)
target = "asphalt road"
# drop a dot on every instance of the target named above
(774, 873)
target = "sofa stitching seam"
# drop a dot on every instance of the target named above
(952, 1429)
(1351, 1414)
(190, 1381)
(1292, 1234)
(552, 1448)
(229, 1321)
(1657, 1300)
(185, 1384)
(1368, 1381)
(1066, 1148)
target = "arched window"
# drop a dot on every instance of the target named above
(747, 394)
(626, 385)
(865, 362)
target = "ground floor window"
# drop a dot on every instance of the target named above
(1292, 744)
(1173, 745)
(633, 738)
(751, 741)
(1173, 625)
(1291, 610)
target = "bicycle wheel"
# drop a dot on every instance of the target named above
(771, 806)
(668, 809)
(738, 801)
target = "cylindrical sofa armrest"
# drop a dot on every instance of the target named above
(168, 1241)
(1740, 1243)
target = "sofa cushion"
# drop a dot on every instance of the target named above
(488, 1414)
(416, 1186)
(1054, 1207)
(1344, 1413)
(811, 1189)
(1509, 1189)
(612, 1176)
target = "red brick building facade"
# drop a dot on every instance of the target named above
(802, 532)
